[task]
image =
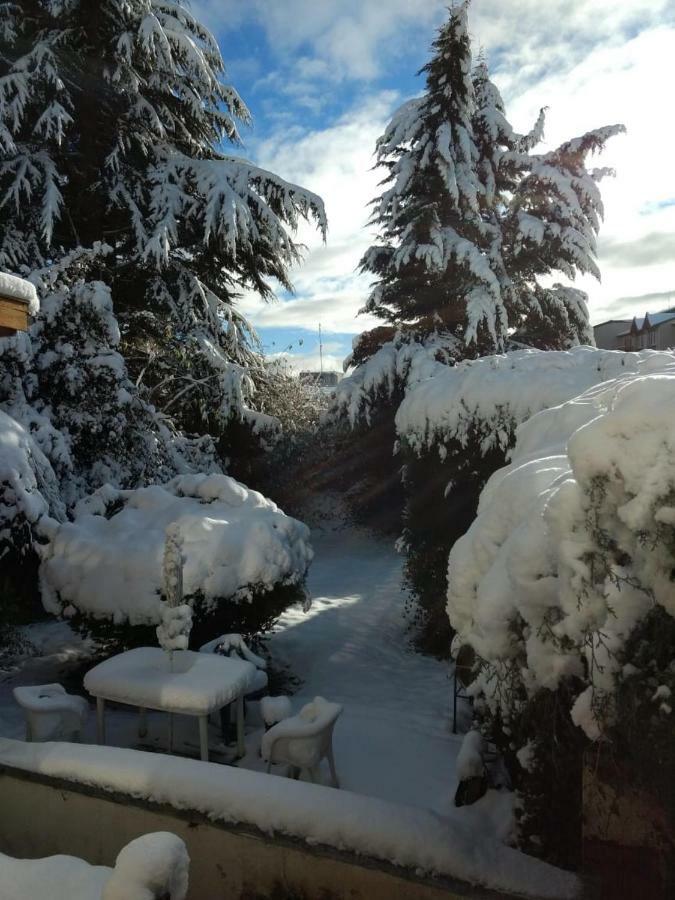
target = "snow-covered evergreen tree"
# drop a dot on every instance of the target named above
(114, 121)
(471, 219)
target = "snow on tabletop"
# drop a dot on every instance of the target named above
(16, 288)
(198, 683)
(605, 459)
(234, 541)
(151, 866)
(496, 393)
(402, 835)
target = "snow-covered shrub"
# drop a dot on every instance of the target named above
(384, 377)
(243, 558)
(455, 429)
(362, 410)
(571, 553)
(27, 484)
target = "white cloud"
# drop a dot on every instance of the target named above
(336, 162)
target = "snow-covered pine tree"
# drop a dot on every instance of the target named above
(472, 219)
(114, 121)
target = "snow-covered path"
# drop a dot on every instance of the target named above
(393, 739)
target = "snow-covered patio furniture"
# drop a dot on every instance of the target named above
(275, 709)
(234, 646)
(302, 741)
(194, 684)
(50, 712)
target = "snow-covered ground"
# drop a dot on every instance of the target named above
(393, 740)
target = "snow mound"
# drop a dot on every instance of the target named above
(489, 397)
(19, 289)
(403, 835)
(108, 561)
(573, 541)
(153, 865)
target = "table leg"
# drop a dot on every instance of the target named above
(142, 722)
(241, 746)
(100, 720)
(204, 737)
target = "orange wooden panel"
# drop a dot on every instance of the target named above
(13, 314)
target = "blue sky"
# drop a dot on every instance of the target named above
(322, 77)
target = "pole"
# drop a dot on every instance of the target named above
(320, 351)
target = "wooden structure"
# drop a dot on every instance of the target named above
(18, 300)
(14, 315)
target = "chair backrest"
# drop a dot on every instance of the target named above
(233, 645)
(312, 727)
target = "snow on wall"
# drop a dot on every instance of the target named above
(494, 394)
(402, 835)
(234, 540)
(573, 541)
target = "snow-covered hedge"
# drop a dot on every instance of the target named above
(396, 365)
(107, 562)
(487, 398)
(573, 545)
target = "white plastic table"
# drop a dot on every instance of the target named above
(191, 684)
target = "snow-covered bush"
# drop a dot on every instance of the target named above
(570, 555)
(455, 429)
(27, 483)
(243, 558)
(383, 378)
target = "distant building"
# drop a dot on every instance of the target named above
(654, 331)
(321, 379)
(606, 333)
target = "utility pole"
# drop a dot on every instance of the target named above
(320, 351)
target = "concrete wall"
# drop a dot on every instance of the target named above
(42, 816)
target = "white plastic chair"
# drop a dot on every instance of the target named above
(235, 645)
(302, 741)
(50, 712)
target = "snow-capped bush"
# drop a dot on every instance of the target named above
(564, 585)
(573, 543)
(26, 480)
(484, 400)
(393, 368)
(237, 546)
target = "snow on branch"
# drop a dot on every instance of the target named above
(231, 201)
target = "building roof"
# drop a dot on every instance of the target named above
(652, 320)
